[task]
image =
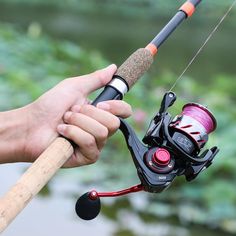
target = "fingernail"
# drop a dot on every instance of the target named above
(103, 106)
(61, 128)
(67, 115)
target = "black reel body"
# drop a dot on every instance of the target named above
(171, 147)
(169, 152)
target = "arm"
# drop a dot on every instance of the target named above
(13, 132)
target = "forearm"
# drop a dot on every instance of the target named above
(13, 131)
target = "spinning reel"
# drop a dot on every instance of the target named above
(171, 147)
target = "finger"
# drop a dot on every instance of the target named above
(78, 159)
(111, 122)
(85, 141)
(89, 125)
(118, 108)
(95, 80)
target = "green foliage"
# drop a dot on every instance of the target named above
(31, 63)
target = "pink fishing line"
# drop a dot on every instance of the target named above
(201, 114)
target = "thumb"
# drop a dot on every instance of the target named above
(97, 79)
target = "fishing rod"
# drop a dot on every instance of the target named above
(170, 147)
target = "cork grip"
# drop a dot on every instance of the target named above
(33, 180)
(135, 66)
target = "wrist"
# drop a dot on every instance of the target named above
(14, 128)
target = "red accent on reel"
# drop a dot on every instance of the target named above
(161, 157)
(196, 122)
(93, 195)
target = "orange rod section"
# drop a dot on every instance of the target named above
(152, 48)
(188, 8)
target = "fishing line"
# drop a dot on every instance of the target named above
(203, 45)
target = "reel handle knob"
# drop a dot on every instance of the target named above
(88, 206)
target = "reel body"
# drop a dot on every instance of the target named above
(170, 148)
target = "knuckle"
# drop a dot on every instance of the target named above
(70, 118)
(86, 109)
(94, 158)
(90, 143)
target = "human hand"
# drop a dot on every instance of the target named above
(64, 109)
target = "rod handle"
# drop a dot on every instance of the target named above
(33, 180)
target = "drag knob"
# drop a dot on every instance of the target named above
(161, 157)
(88, 206)
(159, 160)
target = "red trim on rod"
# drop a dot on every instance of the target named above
(188, 8)
(152, 48)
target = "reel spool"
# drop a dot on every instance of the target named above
(192, 127)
